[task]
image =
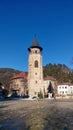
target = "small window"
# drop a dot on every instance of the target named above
(36, 64)
(65, 87)
(17, 85)
(35, 51)
(36, 82)
(35, 93)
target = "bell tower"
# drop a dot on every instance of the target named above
(35, 71)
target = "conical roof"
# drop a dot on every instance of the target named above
(35, 44)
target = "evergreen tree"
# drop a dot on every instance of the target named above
(50, 88)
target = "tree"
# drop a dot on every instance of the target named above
(50, 88)
(0, 84)
(40, 95)
(59, 71)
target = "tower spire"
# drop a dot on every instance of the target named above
(35, 44)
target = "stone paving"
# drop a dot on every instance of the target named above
(36, 115)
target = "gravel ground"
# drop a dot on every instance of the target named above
(36, 115)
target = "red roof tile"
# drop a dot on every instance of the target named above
(20, 75)
(49, 78)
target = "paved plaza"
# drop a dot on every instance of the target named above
(36, 115)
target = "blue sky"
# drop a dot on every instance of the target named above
(50, 20)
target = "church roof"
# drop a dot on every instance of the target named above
(35, 44)
(20, 75)
(50, 78)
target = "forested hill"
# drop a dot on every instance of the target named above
(61, 72)
(6, 74)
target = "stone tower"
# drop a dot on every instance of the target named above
(35, 71)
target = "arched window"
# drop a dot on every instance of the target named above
(35, 51)
(36, 63)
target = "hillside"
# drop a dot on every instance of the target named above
(6, 74)
(61, 72)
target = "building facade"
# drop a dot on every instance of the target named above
(35, 71)
(65, 89)
(62, 89)
(70, 90)
(18, 84)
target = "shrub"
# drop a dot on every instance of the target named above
(40, 95)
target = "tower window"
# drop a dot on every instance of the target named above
(35, 51)
(36, 82)
(36, 63)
